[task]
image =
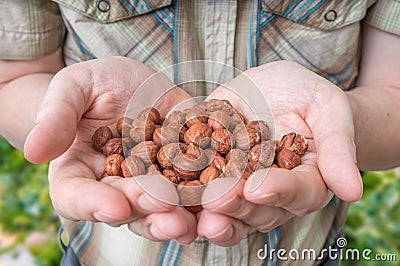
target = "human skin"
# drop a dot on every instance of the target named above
(61, 114)
(73, 114)
(335, 124)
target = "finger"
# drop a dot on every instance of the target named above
(88, 88)
(58, 117)
(146, 194)
(77, 195)
(264, 218)
(299, 191)
(334, 139)
(220, 229)
(176, 224)
(233, 204)
(223, 195)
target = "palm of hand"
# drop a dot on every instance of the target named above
(303, 102)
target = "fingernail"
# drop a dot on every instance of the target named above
(106, 217)
(269, 198)
(227, 232)
(185, 240)
(29, 136)
(157, 234)
(229, 201)
(147, 204)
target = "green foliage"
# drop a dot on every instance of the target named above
(24, 201)
(374, 221)
(48, 253)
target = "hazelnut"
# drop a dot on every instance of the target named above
(127, 143)
(157, 136)
(248, 171)
(142, 130)
(181, 129)
(153, 169)
(218, 162)
(100, 137)
(176, 117)
(287, 159)
(146, 151)
(196, 115)
(190, 193)
(194, 150)
(220, 105)
(294, 142)
(263, 153)
(234, 169)
(187, 166)
(254, 166)
(210, 153)
(132, 166)
(222, 140)
(171, 175)
(239, 117)
(112, 165)
(198, 134)
(113, 146)
(150, 113)
(245, 137)
(219, 119)
(261, 127)
(171, 133)
(209, 174)
(167, 154)
(124, 125)
(236, 161)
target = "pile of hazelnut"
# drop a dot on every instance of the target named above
(194, 146)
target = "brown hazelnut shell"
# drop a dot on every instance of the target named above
(100, 137)
(150, 113)
(146, 151)
(113, 146)
(222, 140)
(198, 134)
(132, 166)
(142, 130)
(287, 159)
(209, 174)
(263, 153)
(112, 165)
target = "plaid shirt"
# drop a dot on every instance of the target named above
(322, 35)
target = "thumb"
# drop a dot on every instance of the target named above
(333, 133)
(57, 119)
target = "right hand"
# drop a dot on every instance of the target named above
(81, 98)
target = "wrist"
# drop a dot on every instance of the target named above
(373, 119)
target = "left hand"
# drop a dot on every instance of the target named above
(303, 102)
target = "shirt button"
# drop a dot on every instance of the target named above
(103, 5)
(330, 15)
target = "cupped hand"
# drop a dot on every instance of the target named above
(81, 98)
(303, 102)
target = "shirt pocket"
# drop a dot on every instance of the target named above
(321, 35)
(323, 15)
(140, 29)
(108, 11)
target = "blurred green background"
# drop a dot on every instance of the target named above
(27, 218)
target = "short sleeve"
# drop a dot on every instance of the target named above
(385, 15)
(29, 29)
